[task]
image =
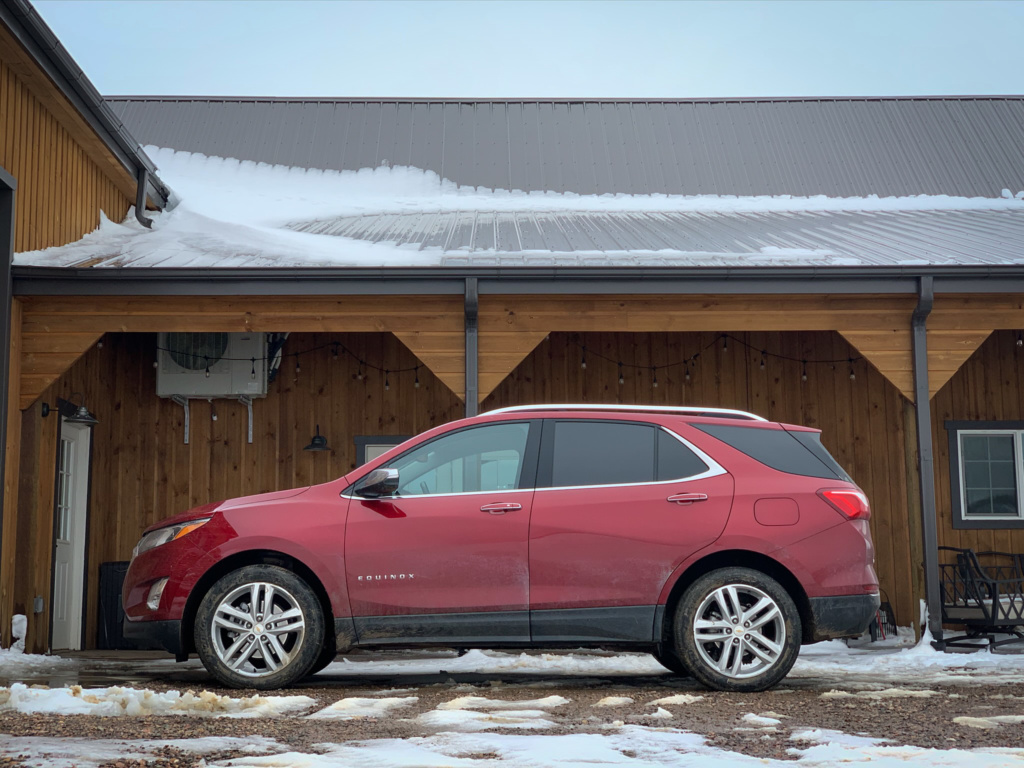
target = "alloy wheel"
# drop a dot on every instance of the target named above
(739, 631)
(257, 629)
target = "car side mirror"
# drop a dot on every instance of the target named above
(379, 483)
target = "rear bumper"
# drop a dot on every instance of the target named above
(164, 634)
(841, 616)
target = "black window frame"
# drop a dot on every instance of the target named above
(954, 428)
(546, 467)
(527, 475)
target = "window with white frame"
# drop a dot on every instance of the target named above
(986, 473)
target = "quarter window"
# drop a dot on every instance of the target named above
(986, 470)
(488, 458)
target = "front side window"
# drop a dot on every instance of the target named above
(986, 470)
(481, 459)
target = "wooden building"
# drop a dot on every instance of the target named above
(892, 325)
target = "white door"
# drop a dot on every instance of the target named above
(69, 536)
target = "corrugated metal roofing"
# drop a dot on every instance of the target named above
(567, 238)
(966, 146)
(827, 238)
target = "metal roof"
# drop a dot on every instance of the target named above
(42, 45)
(471, 239)
(696, 239)
(841, 147)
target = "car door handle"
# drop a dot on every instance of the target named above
(500, 508)
(688, 498)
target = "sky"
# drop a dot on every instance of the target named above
(529, 48)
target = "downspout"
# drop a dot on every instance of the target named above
(472, 350)
(925, 455)
(140, 198)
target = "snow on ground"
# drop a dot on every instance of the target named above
(354, 707)
(234, 212)
(115, 701)
(479, 702)
(677, 700)
(84, 753)
(614, 701)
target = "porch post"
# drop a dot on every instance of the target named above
(472, 347)
(926, 463)
(8, 482)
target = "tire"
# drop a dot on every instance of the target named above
(667, 657)
(328, 653)
(234, 641)
(767, 648)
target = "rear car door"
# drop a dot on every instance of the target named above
(619, 505)
(445, 559)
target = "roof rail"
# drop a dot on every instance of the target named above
(724, 413)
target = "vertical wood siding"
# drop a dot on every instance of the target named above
(989, 387)
(61, 190)
(143, 472)
(862, 420)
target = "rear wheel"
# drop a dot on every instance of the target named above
(259, 627)
(737, 630)
(667, 657)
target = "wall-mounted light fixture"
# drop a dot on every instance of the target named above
(318, 443)
(81, 414)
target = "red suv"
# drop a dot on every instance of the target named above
(713, 539)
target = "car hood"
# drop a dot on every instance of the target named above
(208, 509)
(261, 498)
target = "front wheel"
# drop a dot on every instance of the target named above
(259, 627)
(737, 629)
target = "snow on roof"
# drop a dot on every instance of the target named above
(243, 214)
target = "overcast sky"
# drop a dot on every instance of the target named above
(544, 49)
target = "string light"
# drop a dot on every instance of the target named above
(803, 376)
(416, 383)
(853, 376)
(654, 373)
(1020, 339)
(298, 366)
(583, 358)
(335, 351)
(687, 371)
(725, 343)
(387, 381)
(622, 379)
(207, 367)
(359, 373)
(764, 355)
(253, 374)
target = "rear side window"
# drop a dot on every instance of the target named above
(780, 450)
(602, 453)
(610, 453)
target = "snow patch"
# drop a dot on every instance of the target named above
(662, 714)
(467, 720)
(116, 701)
(888, 693)
(614, 701)
(760, 721)
(827, 736)
(989, 722)
(479, 702)
(354, 707)
(679, 699)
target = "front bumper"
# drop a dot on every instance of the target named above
(165, 634)
(842, 616)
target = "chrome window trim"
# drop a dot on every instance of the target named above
(714, 470)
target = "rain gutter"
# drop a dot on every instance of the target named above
(69, 281)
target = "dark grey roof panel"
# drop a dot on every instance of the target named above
(966, 146)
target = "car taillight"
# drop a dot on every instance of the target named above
(852, 503)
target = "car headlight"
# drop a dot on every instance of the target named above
(163, 535)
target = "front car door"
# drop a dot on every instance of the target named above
(445, 559)
(619, 505)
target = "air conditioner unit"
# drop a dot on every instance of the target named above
(211, 365)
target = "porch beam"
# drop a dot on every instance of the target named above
(925, 456)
